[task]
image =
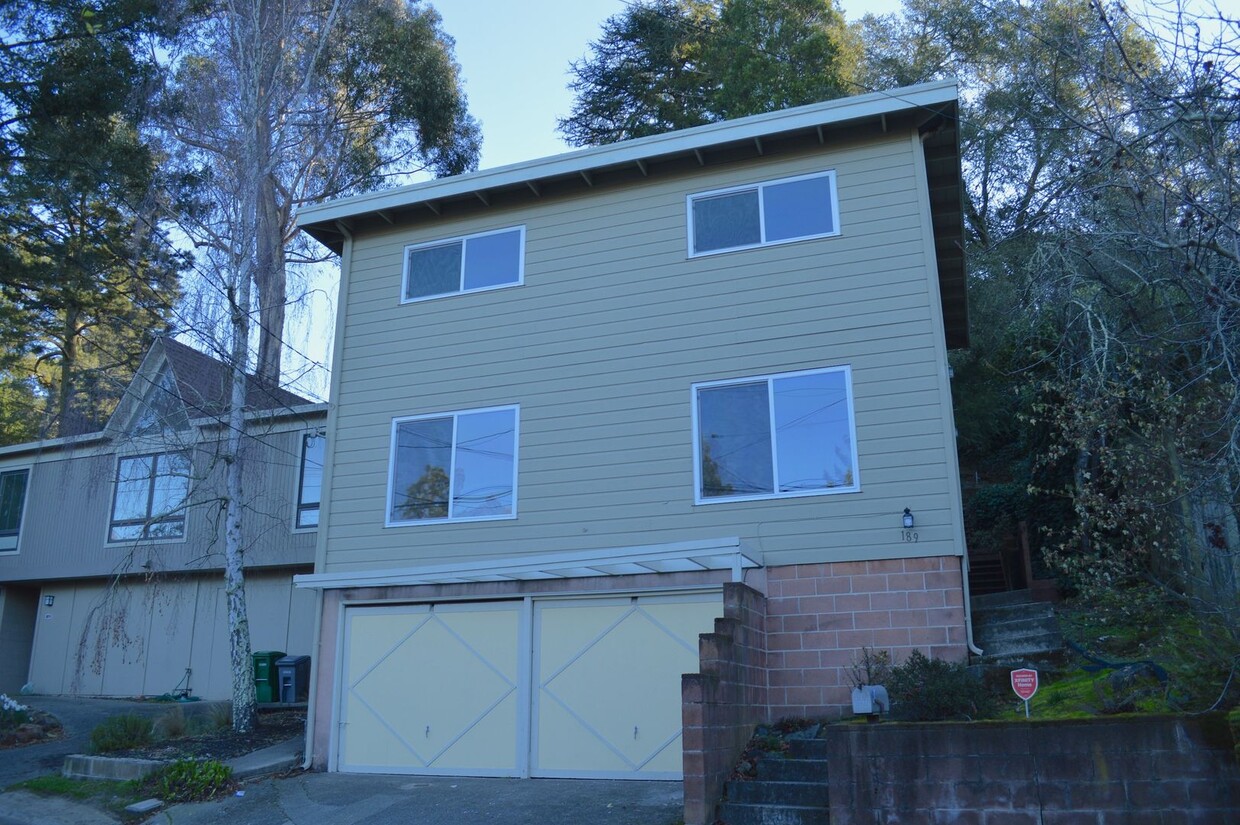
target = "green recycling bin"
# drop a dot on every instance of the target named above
(265, 674)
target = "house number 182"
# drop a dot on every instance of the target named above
(908, 535)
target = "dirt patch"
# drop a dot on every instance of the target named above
(274, 727)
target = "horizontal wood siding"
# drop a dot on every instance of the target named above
(601, 344)
(139, 637)
(69, 503)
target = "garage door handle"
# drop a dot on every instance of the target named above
(428, 731)
(635, 731)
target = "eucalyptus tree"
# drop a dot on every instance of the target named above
(276, 104)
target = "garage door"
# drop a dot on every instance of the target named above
(444, 689)
(431, 689)
(608, 684)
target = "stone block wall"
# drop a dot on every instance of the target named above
(820, 615)
(1101, 772)
(723, 702)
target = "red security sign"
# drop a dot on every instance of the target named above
(1025, 683)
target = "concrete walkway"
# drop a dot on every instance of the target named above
(314, 798)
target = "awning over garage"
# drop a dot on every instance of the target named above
(677, 557)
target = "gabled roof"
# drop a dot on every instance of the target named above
(930, 108)
(202, 385)
(205, 383)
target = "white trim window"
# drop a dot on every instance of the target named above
(310, 481)
(776, 436)
(459, 466)
(150, 498)
(763, 214)
(13, 485)
(470, 263)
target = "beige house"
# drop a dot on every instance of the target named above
(111, 543)
(590, 407)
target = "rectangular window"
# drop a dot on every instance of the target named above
(151, 494)
(310, 486)
(453, 467)
(778, 211)
(776, 436)
(13, 485)
(488, 260)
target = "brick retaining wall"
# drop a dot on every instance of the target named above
(723, 702)
(1100, 772)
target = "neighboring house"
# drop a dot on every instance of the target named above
(111, 543)
(588, 405)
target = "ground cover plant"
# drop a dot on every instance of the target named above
(189, 780)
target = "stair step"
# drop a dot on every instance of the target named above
(781, 769)
(997, 599)
(1027, 648)
(1014, 631)
(807, 748)
(780, 794)
(1011, 612)
(738, 813)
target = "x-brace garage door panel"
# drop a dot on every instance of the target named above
(607, 683)
(431, 689)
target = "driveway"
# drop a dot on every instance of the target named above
(341, 799)
(383, 799)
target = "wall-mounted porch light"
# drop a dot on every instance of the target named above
(49, 600)
(908, 519)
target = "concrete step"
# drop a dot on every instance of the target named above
(1015, 631)
(738, 813)
(781, 769)
(807, 748)
(1021, 646)
(1012, 612)
(999, 599)
(779, 794)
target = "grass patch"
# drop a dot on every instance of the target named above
(109, 794)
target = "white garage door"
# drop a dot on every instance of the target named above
(431, 689)
(608, 684)
(444, 689)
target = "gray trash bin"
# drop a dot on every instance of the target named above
(294, 678)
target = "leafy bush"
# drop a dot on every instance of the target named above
(188, 780)
(928, 690)
(118, 733)
(12, 713)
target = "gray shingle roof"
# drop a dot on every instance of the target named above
(203, 382)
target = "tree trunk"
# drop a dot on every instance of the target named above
(68, 368)
(270, 277)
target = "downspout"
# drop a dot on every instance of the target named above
(325, 502)
(312, 697)
(968, 608)
(964, 555)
